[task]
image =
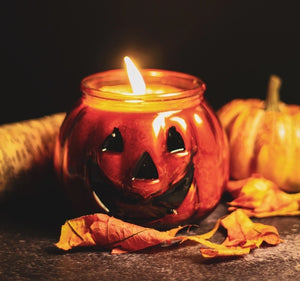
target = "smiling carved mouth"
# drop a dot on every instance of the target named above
(122, 204)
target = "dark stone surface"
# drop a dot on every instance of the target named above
(27, 251)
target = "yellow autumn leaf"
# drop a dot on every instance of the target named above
(260, 197)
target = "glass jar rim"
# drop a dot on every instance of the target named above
(188, 85)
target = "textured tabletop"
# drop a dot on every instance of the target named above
(27, 251)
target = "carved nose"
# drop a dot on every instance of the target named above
(145, 168)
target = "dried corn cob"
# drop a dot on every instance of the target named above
(26, 151)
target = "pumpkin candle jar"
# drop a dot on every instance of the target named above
(158, 159)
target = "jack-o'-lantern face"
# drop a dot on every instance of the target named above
(144, 170)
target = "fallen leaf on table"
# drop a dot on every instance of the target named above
(260, 197)
(241, 231)
(108, 232)
(121, 237)
(242, 236)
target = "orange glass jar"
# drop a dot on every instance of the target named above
(159, 159)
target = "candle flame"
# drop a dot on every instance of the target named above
(135, 77)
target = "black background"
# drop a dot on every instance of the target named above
(47, 47)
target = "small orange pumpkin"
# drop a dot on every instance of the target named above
(264, 137)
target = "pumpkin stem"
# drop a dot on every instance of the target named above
(273, 97)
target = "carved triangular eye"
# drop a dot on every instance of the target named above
(175, 141)
(113, 142)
